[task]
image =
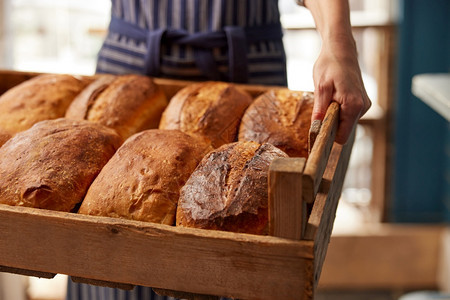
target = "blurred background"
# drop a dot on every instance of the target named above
(391, 233)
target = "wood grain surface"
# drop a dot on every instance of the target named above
(318, 158)
(183, 259)
(287, 211)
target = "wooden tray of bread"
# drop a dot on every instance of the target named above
(245, 219)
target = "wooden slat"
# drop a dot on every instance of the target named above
(286, 207)
(183, 259)
(171, 87)
(317, 160)
(103, 283)
(27, 272)
(9, 79)
(321, 219)
(313, 133)
(184, 295)
(444, 261)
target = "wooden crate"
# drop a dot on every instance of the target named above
(303, 197)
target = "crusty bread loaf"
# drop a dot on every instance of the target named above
(229, 189)
(210, 109)
(80, 106)
(52, 164)
(143, 179)
(128, 103)
(43, 97)
(280, 117)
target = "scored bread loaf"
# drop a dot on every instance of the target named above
(143, 179)
(209, 109)
(52, 164)
(127, 103)
(229, 189)
(43, 97)
(281, 117)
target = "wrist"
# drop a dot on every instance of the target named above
(340, 45)
(332, 18)
(339, 41)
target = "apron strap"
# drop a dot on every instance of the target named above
(237, 53)
(235, 37)
(153, 54)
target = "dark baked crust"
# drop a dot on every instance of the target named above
(128, 103)
(52, 164)
(280, 117)
(44, 97)
(209, 109)
(228, 190)
(143, 179)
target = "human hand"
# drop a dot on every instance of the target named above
(337, 77)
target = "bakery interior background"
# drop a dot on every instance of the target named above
(398, 179)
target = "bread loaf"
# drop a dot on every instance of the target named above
(280, 117)
(52, 164)
(43, 97)
(229, 189)
(209, 109)
(128, 103)
(143, 179)
(4, 137)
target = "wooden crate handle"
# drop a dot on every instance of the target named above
(313, 133)
(287, 211)
(320, 152)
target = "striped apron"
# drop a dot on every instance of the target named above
(228, 40)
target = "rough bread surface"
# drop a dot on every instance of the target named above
(127, 103)
(281, 117)
(212, 110)
(229, 189)
(142, 180)
(44, 97)
(52, 164)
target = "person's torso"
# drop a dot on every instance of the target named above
(265, 58)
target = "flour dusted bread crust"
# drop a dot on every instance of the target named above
(281, 117)
(210, 109)
(228, 189)
(41, 98)
(128, 103)
(52, 164)
(143, 179)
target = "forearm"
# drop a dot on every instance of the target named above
(337, 76)
(332, 18)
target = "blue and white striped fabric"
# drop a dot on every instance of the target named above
(79, 291)
(227, 40)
